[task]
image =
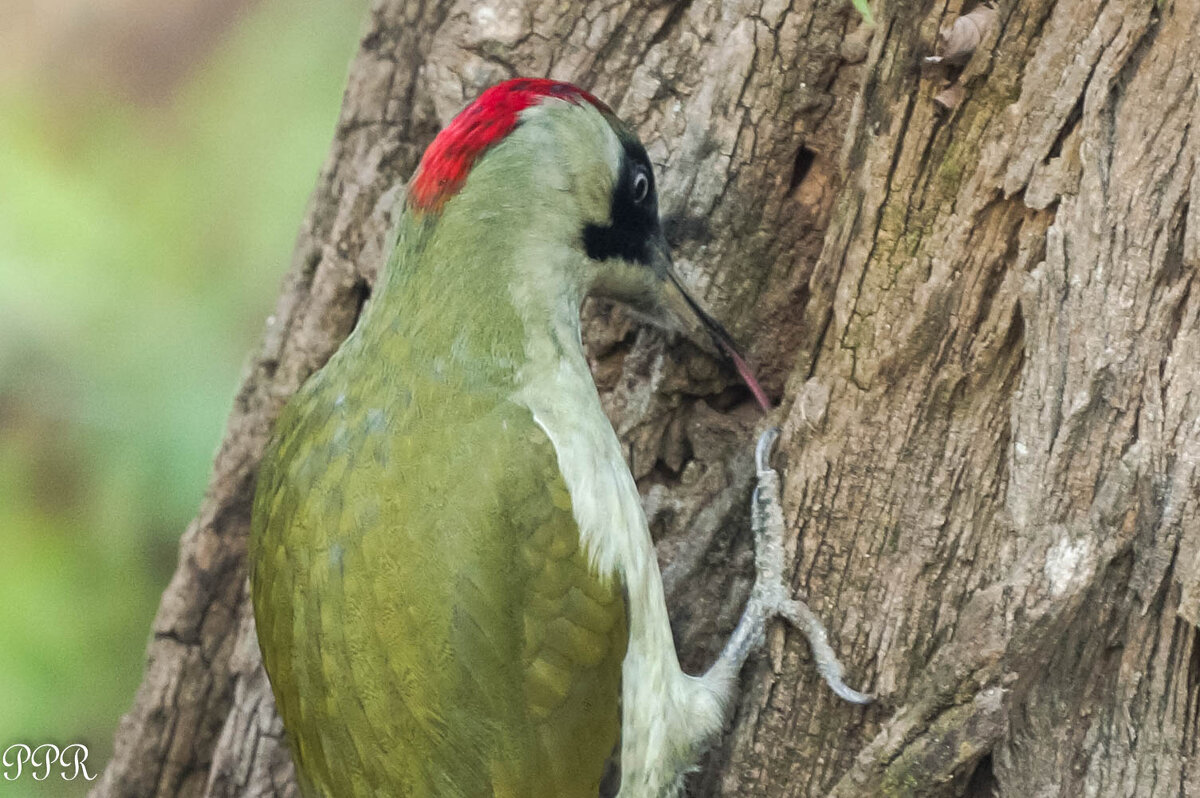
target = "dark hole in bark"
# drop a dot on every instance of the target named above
(982, 783)
(733, 396)
(360, 292)
(804, 162)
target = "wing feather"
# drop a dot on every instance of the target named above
(427, 614)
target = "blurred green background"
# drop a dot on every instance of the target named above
(155, 160)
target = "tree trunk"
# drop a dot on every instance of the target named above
(980, 326)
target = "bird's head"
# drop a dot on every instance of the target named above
(559, 160)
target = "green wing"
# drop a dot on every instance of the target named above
(428, 618)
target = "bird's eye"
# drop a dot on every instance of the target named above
(641, 187)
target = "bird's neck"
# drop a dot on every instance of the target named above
(479, 302)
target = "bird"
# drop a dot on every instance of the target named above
(454, 585)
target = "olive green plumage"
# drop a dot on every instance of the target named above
(428, 618)
(404, 662)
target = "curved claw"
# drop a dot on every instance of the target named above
(762, 452)
(828, 664)
(847, 693)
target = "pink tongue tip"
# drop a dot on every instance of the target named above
(747, 376)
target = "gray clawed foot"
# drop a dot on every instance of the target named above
(771, 595)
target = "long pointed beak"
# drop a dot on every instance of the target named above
(695, 322)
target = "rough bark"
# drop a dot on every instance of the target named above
(982, 329)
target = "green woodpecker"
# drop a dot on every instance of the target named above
(454, 585)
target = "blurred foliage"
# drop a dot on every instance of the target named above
(864, 9)
(140, 251)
